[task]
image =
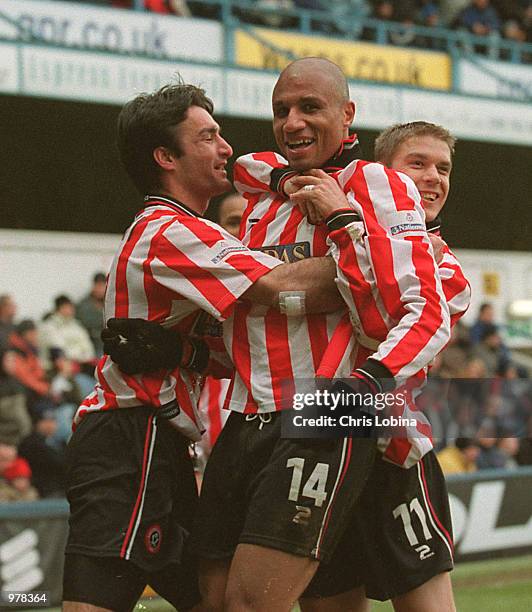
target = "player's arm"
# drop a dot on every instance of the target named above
(399, 253)
(306, 286)
(455, 285)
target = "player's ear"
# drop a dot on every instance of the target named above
(164, 157)
(349, 113)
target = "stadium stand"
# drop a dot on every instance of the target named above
(496, 29)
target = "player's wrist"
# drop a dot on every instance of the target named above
(341, 217)
(278, 179)
(375, 376)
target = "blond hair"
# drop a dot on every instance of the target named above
(390, 139)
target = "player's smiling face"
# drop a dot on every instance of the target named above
(427, 161)
(309, 118)
(202, 165)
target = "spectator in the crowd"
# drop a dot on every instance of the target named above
(14, 419)
(8, 311)
(8, 454)
(485, 318)
(514, 31)
(479, 18)
(47, 462)
(460, 457)
(89, 311)
(15, 483)
(489, 456)
(451, 362)
(66, 392)
(61, 330)
(269, 13)
(27, 366)
(429, 16)
(508, 447)
(491, 350)
(405, 13)
(168, 7)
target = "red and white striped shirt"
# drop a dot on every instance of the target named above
(267, 347)
(212, 414)
(405, 319)
(170, 266)
(455, 285)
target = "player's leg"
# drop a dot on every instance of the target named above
(435, 595)
(301, 504)
(404, 525)
(264, 579)
(239, 454)
(337, 585)
(91, 584)
(213, 575)
(116, 458)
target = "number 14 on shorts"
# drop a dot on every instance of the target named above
(314, 487)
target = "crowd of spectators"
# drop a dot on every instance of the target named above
(478, 400)
(509, 20)
(46, 368)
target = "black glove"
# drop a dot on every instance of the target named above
(357, 396)
(138, 346)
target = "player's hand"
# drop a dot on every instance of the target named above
(356, 400)
(290, 187)
(319, 195)
(437, 247)
(138, 346)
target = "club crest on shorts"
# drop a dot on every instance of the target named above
(153, 538)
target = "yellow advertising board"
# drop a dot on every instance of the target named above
(271, 50)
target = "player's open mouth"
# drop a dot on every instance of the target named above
(298, 145)
(429, 197)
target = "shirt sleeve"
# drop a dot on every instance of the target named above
(455, 285)
(204, 264)
(257, 173)
(387, 273)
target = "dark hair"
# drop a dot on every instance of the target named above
(24, 326)
(463, 443)
(148, 122)
(60, 300)
(99, 277)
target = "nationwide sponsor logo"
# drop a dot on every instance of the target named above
(153, 539)
(406, 227)
(288, 253)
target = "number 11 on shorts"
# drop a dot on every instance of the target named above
(314, 488)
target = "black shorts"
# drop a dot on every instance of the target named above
(290, 495)
(400, 535)
(115, 584)
(131, 488)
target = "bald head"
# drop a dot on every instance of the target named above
(311, 112)
(309, 67)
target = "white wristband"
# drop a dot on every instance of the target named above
(292, 303)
